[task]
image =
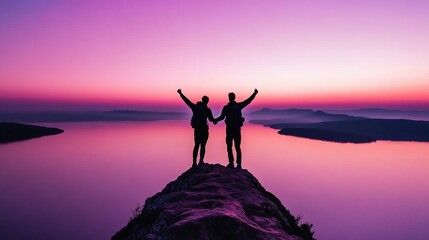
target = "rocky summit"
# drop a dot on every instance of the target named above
(217, 203)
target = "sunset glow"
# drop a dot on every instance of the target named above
(135, 54)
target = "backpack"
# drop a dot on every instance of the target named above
(234, 117)
(199, 118)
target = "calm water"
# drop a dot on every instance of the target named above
(84, 183)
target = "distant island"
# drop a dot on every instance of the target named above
(12, 132)
(342, 128)
(217, 203)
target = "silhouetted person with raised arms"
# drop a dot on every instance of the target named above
(200, 114)
(234, 121)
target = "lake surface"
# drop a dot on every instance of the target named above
(84, 183)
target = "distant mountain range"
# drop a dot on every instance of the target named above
(269, 116)
(88, 116)
(338, 127)
(384, 113)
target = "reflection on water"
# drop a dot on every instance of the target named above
(84, 183)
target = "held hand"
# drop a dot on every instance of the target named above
(215, 122)
(179, 90)
(256, 90)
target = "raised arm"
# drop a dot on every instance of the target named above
(185, 99)
(249, 100)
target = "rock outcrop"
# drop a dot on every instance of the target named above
(216, 203)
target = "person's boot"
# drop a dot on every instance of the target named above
(239, 166)
(194, 163)
(230, 165)
(201, 163)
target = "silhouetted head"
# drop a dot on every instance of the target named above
(231, 96)
(205, 99)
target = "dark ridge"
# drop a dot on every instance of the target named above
(216, 203)
(11, 132)
(326, 135)
(362, 130)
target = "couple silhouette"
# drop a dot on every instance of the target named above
(234, 120)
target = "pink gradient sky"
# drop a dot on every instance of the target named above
(132, 54)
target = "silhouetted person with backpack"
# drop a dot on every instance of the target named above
(200, 114)
(234, 121)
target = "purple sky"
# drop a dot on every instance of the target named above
(90, 54)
